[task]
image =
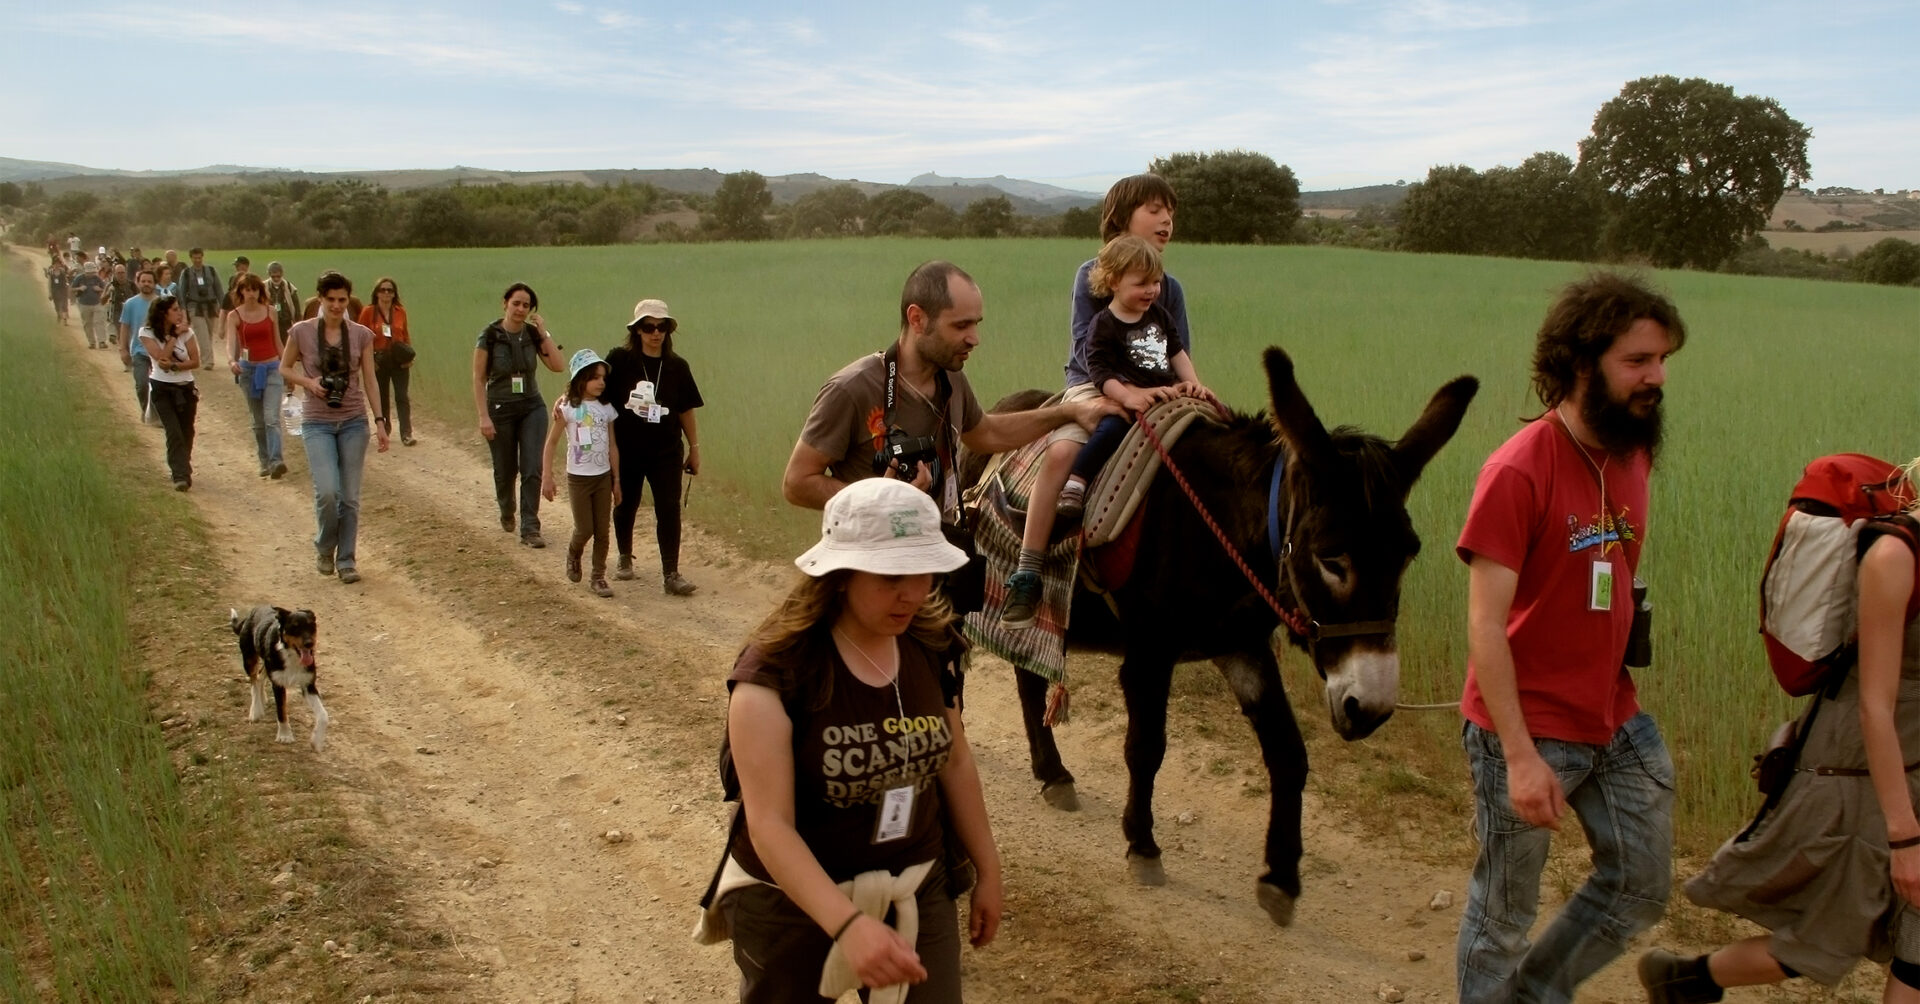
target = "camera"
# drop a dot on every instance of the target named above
(904, 453)
(335, 384)
(1640, 635)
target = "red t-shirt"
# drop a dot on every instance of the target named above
(1537, 509)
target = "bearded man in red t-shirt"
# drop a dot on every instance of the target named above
(1552, 541)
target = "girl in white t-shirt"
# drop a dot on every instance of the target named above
(585, 425)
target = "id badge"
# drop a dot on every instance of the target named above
(519, 385)
(1600, 587)
(653, 413)
(386, 331)
(583, 435)
(896, 813)
(200, 279)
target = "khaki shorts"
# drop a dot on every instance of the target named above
(1071, 432)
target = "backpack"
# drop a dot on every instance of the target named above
(1809, 603)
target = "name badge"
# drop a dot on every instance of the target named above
(1600, 587)
(386, 331)
(200, 280)
(519, 385)
(654, 412)
(896, 814)
(583, 435)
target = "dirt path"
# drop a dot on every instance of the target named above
(491, 722)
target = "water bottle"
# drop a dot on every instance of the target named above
(290, 416)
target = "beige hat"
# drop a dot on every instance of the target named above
(882, 526)
(656, 309)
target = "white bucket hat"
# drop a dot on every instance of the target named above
(882, 526)
(656, 309)
(581, 360)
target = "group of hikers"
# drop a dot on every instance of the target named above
(862, 818)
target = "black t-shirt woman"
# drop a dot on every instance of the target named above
(513, 416)
(845, 732)
(655, 393)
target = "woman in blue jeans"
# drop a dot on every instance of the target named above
(332, 358)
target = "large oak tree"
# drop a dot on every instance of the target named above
(1692, 168)
(1232, 196)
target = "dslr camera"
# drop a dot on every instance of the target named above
(334, 373)
(904, 453)
(335, 384)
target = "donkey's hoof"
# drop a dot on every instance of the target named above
(1278, 904)
(1146, 871)
(1060, 795)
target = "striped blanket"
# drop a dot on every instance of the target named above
(1042, 648)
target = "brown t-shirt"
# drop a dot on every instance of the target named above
(850, 753)
(848, 423)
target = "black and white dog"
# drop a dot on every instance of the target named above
(276, 647)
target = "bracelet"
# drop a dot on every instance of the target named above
(693, 446)
(843, 927)
(1898, 845)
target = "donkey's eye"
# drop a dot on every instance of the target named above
(1334, 567)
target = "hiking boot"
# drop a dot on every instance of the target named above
(1023, 601)
(533, 540)
(324, 565)
(1073, 500)
(677, 585)
(573, 568)
(349, 576)
(1671, 979)
(600, 588)
(506, 522)
(278, 471)
(264, 471)
(624, 569)
(181, 486)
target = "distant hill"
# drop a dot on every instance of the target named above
(954, 193)
(1354, 198)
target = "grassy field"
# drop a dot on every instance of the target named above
(102, 862)
(1775, 373)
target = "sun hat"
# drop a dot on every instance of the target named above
(649, 308)
(581, 360)
(882, 526)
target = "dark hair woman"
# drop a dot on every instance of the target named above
(254, 348)
(332, 357)
(513, 415)
(171, 393)
(656, 394)
(387, 319)
(859, 664)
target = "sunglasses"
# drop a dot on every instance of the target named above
(648, 327)
(386, 289)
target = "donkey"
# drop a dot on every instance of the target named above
(1345, 541)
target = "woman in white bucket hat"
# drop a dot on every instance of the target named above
(654, 389)
(844, 728)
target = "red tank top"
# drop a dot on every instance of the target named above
(256, 338)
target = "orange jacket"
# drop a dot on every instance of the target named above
(370, 317)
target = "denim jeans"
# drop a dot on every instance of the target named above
(265, 412)
(516, 447)
(1623, 795)
(336, 454)
(142, 365)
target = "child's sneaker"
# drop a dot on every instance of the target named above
(600, 587)
(1073, 499)
(573, 568)
(1023, 601)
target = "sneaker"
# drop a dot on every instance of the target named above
(600, 588)
(264, 471)
(677, 585)
(624, 569)
(573, 568)
(506, 522)
(1671, 979)
(533, 540)
(1023, 601)
(349, 576)
(325, 564)
(278, 471)
(408, 441)
(181, 486)
(1073, 500)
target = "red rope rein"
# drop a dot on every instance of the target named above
(1295, 620)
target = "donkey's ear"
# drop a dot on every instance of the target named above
(1433, 428)
(1293, 417)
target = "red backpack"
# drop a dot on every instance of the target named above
(1809, 602)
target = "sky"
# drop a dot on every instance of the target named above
(1345, 92)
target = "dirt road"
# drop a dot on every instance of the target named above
(492, 722)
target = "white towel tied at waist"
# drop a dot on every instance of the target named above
(872, 892)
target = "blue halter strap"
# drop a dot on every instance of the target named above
(1274, 538)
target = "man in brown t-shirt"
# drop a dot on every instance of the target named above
(935, 411)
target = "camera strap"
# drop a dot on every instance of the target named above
(942, 394)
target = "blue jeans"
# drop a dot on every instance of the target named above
(142, 365)
(1623, 794)
(1100, 447)
(336, 453)
(517, 444)
(265, 412)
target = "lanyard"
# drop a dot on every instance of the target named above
(1599, 472)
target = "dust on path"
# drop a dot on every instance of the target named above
(478, 744)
